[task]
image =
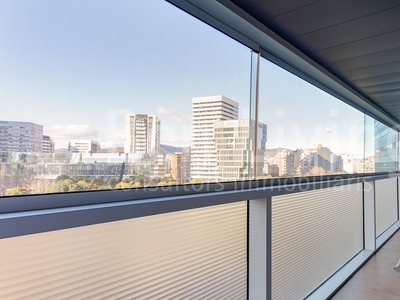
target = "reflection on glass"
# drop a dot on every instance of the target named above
(381, 144)
(309, 131)
(386, 140)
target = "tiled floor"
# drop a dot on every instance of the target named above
(376, 279)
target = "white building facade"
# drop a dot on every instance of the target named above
(21, 137)
(205, 111)
(83, 146)
(142, 134)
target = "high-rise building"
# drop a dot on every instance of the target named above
(205, 111)
(48, 144)
(21, 137)
(142, 134)
(83, 146)
(234, 143)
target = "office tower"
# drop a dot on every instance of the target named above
(205, 111)
(21, 137)
(142, 134)
(234, 143)
(83, 146)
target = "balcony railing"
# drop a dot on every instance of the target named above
(224, 241)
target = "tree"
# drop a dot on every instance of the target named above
(195, 181)
(265, 176)
(17, 191)
(122, 185)
(113, 182)
(83, 185)
(97, 182)
(67, 185)
(136, 185)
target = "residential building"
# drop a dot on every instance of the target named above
(158, 167)
(271, 169)
(83, 146)
(142, 134)
(205, 111)
(317, 157)
(48, 144)
(337, 163)
(21, 137)
(288, 162)
(180, 166)
(348, 163)
(235, 149)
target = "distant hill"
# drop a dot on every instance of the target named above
(112, 150)
(166, 149)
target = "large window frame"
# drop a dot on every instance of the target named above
(230, 20)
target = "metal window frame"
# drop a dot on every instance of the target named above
(18, 223)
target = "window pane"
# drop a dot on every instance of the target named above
(124, 96)
(380, 147)
(309, 131)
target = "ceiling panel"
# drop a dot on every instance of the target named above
(356, 40)
(378, 80)
(360, 47)
(370, 60)
(381, 87)
(272, 8)
(362, 28)
(326, 13)
(373, 71)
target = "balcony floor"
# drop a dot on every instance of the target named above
(376, 279)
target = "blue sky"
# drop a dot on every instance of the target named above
(77, 67)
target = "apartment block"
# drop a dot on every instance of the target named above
(288, 162)
(180, 166)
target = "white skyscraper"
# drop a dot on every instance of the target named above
(142, 134)
(205, 111)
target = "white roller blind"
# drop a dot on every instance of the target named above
(194, 254)
(385, 204)
(314, 234)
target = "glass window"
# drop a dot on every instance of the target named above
(127, 94)
(309, 132)
(381, 143)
